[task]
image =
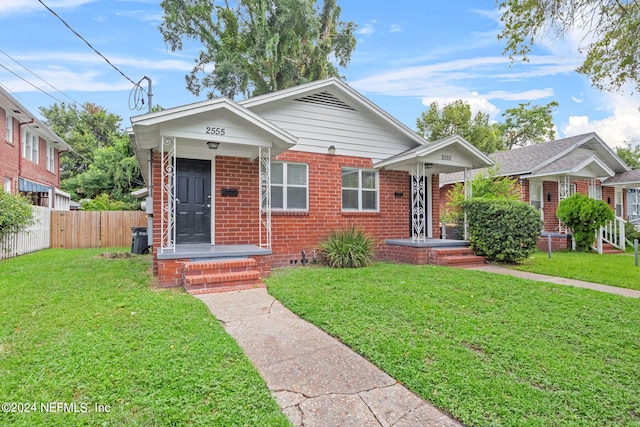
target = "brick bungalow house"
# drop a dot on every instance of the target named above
(554, 170)
(30, 156)
(258, 183)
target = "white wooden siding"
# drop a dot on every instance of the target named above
(34, 238)
(353, 133)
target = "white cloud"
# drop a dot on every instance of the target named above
(621, 126)
(366, 30)
(395, 28)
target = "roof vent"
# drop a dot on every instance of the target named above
(326, 99)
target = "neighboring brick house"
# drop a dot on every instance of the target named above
(271, 176)
(551, 171)
(30, 156)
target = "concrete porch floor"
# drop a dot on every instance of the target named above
(208, 251)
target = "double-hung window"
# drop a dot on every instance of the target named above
(30, 146)
(51, 158)
(289, 186)
(359, 190)
(9, 128)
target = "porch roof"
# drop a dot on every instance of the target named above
(576, 166)
(624, 179)
(235, 131)
(449, 154)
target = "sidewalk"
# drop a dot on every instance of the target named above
(316, 380)
(559, 280)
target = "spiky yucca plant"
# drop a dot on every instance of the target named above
(348, 248)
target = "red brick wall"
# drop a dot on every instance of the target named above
(550, 207)
(9, 153)
(38, 171)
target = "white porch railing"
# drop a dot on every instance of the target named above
(34, 238)
(612, 233)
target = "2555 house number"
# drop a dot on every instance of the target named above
(445, 157)
(211, 130)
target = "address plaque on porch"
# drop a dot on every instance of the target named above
(213, 130)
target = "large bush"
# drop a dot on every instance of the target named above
(584, 216)
(502, 230)
(16, 213)
(348, 248)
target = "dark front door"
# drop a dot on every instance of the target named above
(193, 204)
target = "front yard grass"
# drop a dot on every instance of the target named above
(607, 269)
(82, 330)
(491, 350)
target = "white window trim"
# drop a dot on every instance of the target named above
(51, 158)
(285, 185)
(9, 128)
(360, 190)
(540, 186)
(30, 146)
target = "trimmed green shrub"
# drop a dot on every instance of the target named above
(630, 231)
(584, 215)
(348, 248)
(16, 213)
(502, 230)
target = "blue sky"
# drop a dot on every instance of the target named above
(409, 53)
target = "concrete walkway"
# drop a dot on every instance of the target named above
(559, 280)
(316, 380)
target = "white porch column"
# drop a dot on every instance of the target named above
(419, 203)
(167, 194)
(564, 191)
(265, 197)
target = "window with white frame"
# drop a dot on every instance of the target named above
(289, 186)
(535, 195)
(7, 184)
(30, 146)
(617, 201)
(9, 128)
(359, 190)
(51, 158)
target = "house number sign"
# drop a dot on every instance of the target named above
(445, 157)
(213, 130)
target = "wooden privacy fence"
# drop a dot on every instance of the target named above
(34, 238)
(94, 229)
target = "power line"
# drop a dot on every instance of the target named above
(88, 44)
(45, 81)
(31, 84)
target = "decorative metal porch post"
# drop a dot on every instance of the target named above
(564, 191)
(167, 193)
(468, 193)
(265, 197)
(418, 203)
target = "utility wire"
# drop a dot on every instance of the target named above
(88, 44)
(29, 83)
(45, 81)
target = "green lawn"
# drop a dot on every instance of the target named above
(492, 350)
(83, 330)
(615, 270)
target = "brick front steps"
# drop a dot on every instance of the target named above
(610, 249)
(461, 257)
(221, 275)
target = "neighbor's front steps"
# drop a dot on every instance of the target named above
(608, 248)
(201, 277)
(461, 257)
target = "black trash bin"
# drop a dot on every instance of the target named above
(139, 240)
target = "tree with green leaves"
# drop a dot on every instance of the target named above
(455, 118)
(630, 154)
(85, 128)
(610, 34)
(252, 47)
(525, 125)
(102, 160)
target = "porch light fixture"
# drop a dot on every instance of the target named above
(213, 145)
(428, 165)
(548, 197)
(332, 150)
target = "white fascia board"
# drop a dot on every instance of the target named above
(584, 164)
